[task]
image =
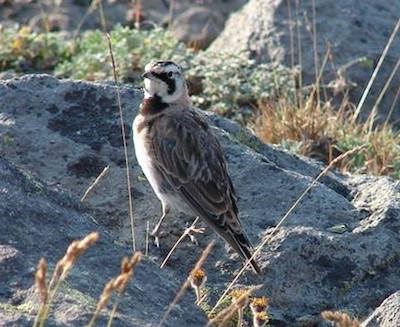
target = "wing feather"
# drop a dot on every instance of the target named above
(191, 157)
(188, 155)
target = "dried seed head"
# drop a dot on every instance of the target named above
(241, 297)
(198, 278)
(137, 256)
(105, 295)
(127, 269)
(260, 319)
(237, 293)
(259, 304)
(76, 249)
(340, 319)
(122, 280)
(128, 265)
(88, 241)
(40, 280)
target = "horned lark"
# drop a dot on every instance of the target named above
(182, 159)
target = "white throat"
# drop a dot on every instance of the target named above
(147, 94)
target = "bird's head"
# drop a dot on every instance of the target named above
(165, 79)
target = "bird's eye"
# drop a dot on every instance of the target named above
(170, 74)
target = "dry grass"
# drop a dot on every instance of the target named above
(260, 319)
(376, 70)
(116, 285)
(40, 280)
(259, 304)
(321, 132)
(314, 127)
(187, 232)
(92, 7)
(76, 249)
(63, 267)
(124, 141)
(240, 300)
(187, 283)
(96, 181)
(340, 319)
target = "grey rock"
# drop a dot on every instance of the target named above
(40, 221)
(198, 26)
(8, 74)
(387, 314)
(54, 22)
(64, 131)
(353, 29)
(68, 14)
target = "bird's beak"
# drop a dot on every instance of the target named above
(147, 75)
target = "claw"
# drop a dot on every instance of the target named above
(193, 239)
(156, 233)
(157, 241)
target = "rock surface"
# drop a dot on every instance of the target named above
(387, 314)
(40, 221)
(339, 244)
(198, 27)
(354, 30)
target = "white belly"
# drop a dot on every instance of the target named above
(143, 157)
(145, 161)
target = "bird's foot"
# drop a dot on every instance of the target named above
(156, 234)
(157, 241)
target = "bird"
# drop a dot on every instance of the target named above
(182, 158)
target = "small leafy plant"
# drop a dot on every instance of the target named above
(23, 50)
(133, 49)
(232, 84)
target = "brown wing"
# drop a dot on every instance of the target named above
(190, 158)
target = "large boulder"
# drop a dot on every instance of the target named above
(387, 314)
(354, 30)
(198, 26)
(339, 244)
(41, 221)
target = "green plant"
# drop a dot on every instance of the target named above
(23, 50)
(247, 139)
(132, 49)
(230, 83)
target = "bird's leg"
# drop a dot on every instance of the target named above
(156, 231)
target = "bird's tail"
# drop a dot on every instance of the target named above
(243, 247)
(238, 240)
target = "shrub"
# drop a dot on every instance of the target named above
(22, 50)
(232, 84)
(132, 50)
(324, 133)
